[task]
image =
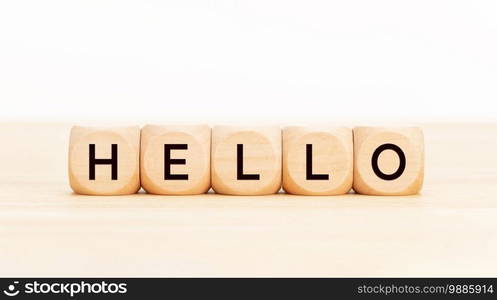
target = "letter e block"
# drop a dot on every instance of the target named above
(175, 160)
(388, 161)
(246, 160)
(104, 161)
(317, 161)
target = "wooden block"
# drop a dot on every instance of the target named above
(388, 161)
(317, 161)
(246, 160)
(104, 161)
(175, 160)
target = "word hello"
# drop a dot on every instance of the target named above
(187, 160)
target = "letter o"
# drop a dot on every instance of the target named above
(402, 164)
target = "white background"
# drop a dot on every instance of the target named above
(248, 60)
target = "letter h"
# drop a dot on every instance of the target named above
(111, 161)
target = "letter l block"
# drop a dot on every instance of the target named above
(246, 160)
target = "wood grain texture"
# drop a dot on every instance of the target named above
(126, 153)
(260, 156)
(332, 159)
(399, 158)
(450, 229)
(196, 156)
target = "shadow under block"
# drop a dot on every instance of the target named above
(388, 161)
(104, 161)
(317, 161)
(175, 160)
(246, 160)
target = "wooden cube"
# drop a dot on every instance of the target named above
(104, 161)
(175, 160)
(246, 160)
(317, 161)
(388, 161)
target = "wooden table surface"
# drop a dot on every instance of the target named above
(450, 229)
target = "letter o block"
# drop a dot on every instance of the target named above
(246, 160)
(104, 161)
(175, 160)
(388, 161)
(317, 161)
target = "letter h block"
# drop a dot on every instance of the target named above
(104, 161)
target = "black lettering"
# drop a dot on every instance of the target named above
(239, 166)
(308, 166)
(402, 164)
(168, 161)
(94, 161)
